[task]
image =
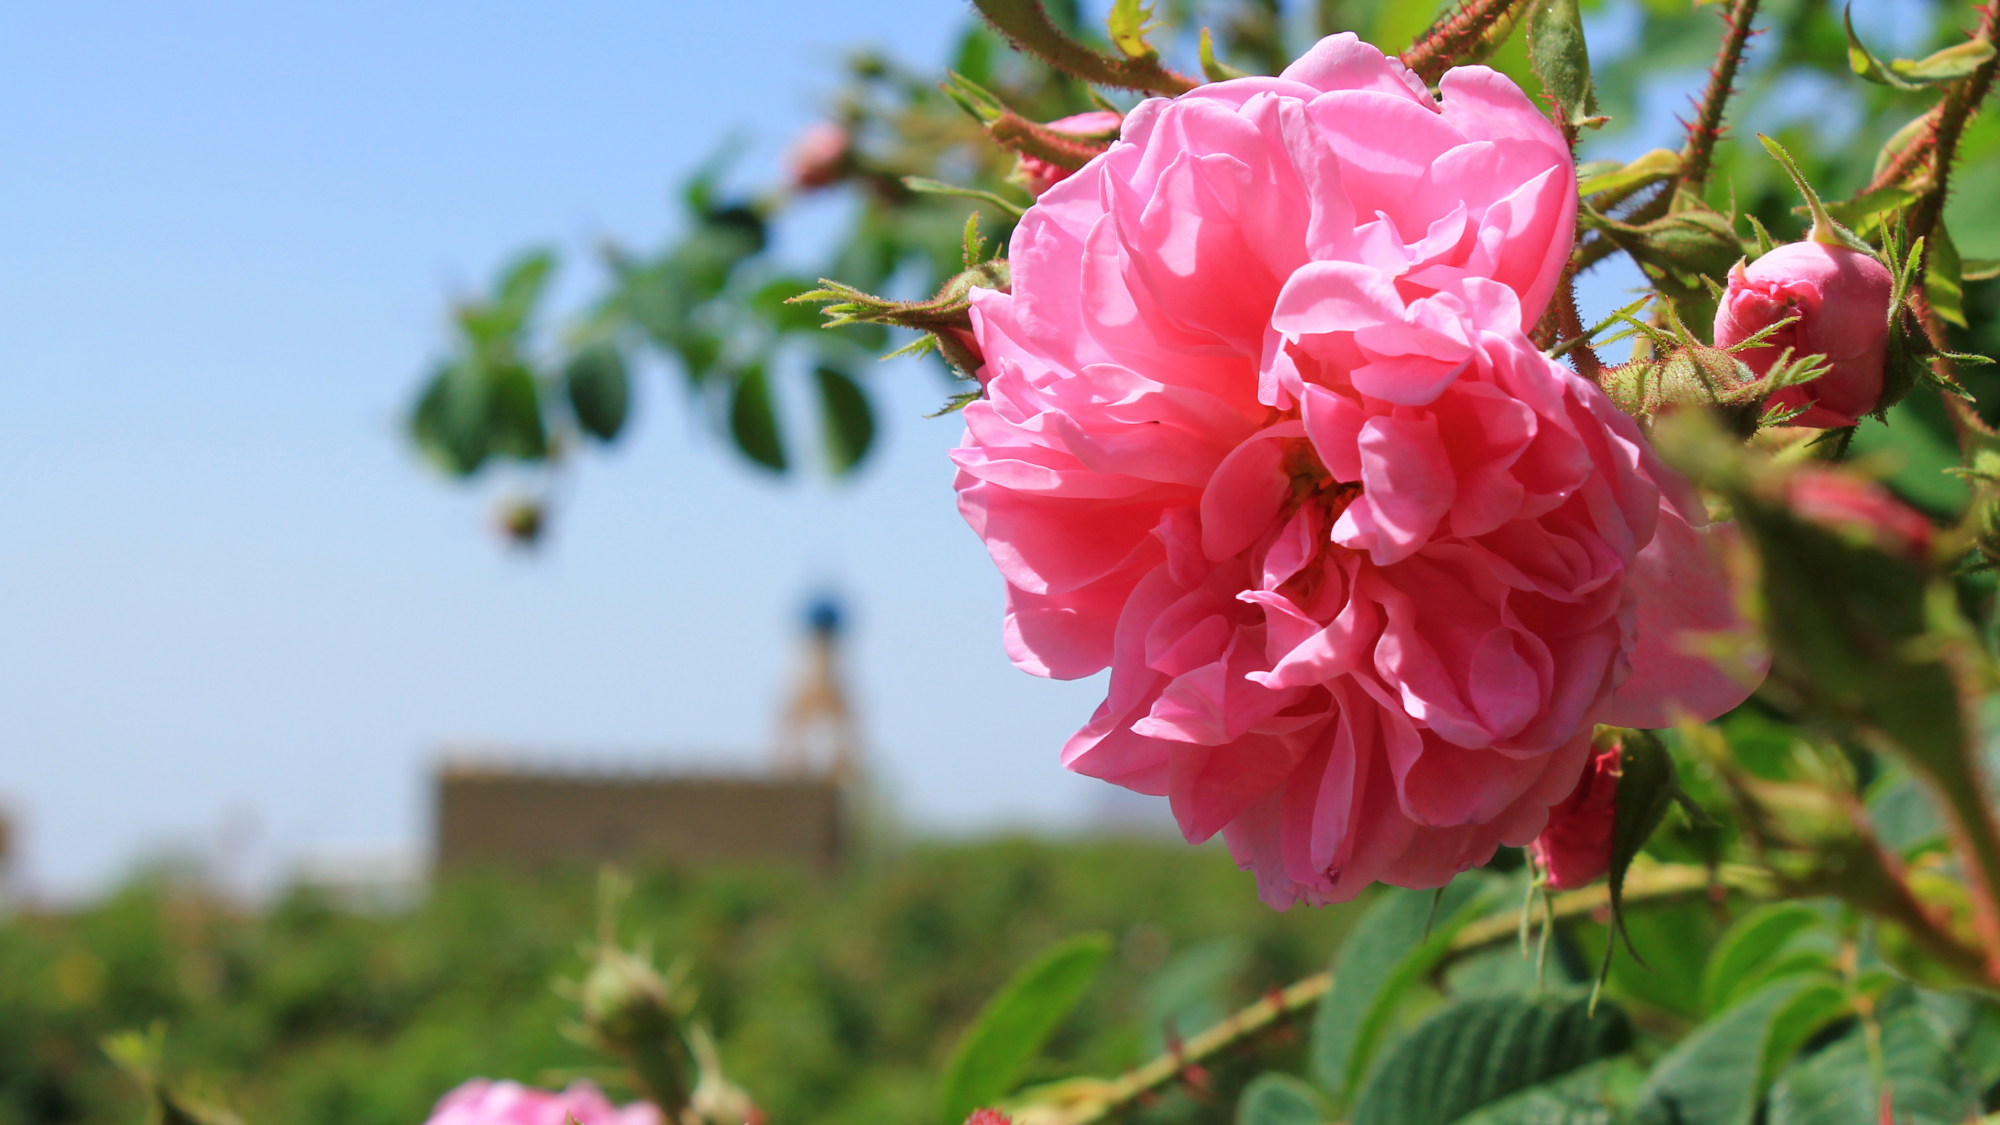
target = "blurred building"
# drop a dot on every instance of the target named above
(499, 809)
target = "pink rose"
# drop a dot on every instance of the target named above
(1262, 432)
(484, 1102)
(1860, 507)
(1039, 175)
(1841, 297)
(1575, 848)
(819, 157)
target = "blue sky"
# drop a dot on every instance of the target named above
(234, 608)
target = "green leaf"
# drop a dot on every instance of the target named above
(1273, 1098)
(1652, 167)
(925, 186)
(1944, 286)
(1581, 1097)
(1865, 210)
(514, 417)
(1718, 1074)
(753, 422)
(1979, 269)
(1749, 947)
(1560, 58)
(1478, 1051)
(1927, 1082)
(1646, 787)
(600, 394)
(1387, 952)
(1013, 1025)
(846, 420)
(1947, 65)
(522, 282)
(448, 423)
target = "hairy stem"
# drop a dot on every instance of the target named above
(1706, 128)
(1083, 1104)
(1028, 27)
(1957, 108)
(1456, 35)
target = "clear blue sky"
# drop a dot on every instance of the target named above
(228, 594)
(231, 603)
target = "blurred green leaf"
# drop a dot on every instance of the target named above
(1273, 1098)
(1388, 952)
(1749, 948)
(845, 419)
(1944, 287)
(1718, 1075)
(1015, 1022)
(600, 393)
(1581, 1097)
(769, 302)
(1926, 1080)
(753, 419)
(1478, 1051)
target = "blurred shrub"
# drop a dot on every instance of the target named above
(835, 999)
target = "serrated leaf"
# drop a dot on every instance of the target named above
(600, 393)
(1927, 1082)
(1557, 52)
(1652, 167)
(1948, 65)
(1718, 1075)
(1476, 1052)
(1273, 1098)
(1012, 1026)
(753, 422)
(1580, 1097)
(1748, 948)
(1386, 953)
(846, 421)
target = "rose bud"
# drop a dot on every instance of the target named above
(1860, 508)
(1575, 847)
(820, 157)
(1039, 175)
(1841, 297)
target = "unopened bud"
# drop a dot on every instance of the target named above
(624, 1001)
(820, 157)
(1841, 298)
(1575, 847)
(1690, 376)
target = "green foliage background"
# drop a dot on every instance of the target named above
(835, 999)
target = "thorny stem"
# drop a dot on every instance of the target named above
(1698, 152)
(1953, 112)
(1453, 36)
(1086, 1104)
(1027, 26)
(1706, 128)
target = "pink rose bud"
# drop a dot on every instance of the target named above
(484, 1102)
(1862, 508)
(1575, 848)
(1841, 297)
(988, 1117)
(820, 157)
(1039, 175)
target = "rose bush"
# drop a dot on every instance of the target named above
(1263, 433)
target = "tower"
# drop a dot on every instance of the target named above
(817, 732)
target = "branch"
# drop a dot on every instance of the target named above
(1960, 102)
(1706, 128)
(1463, 32)
(1084, 1102)
(1027, 26)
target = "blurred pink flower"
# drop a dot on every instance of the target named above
(1575, 848)
(1850, 504)
(819, 157)
(1262, 432)
(1039, 175)
(1842, 299)
(485, 1102)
